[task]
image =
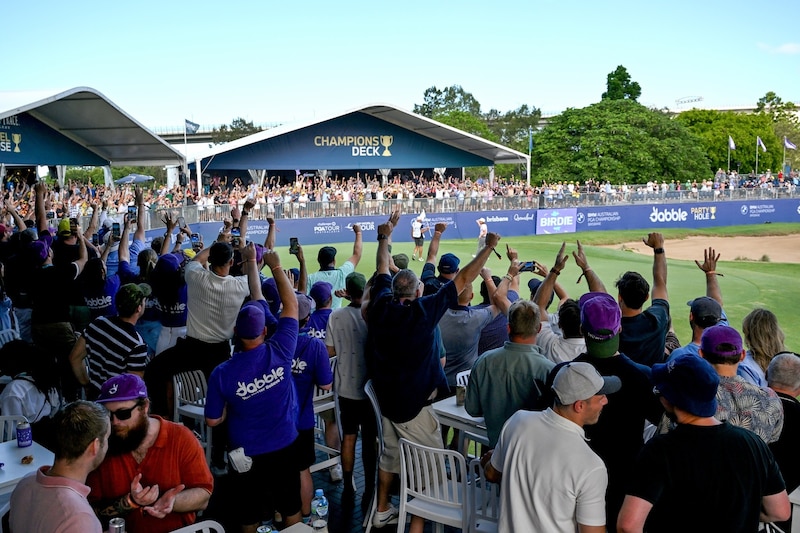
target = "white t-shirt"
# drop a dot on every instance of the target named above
(552, 481)
(555, 347)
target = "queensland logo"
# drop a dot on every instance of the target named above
(360, 145)
(704, 212)
(260, 384)
(668, 215)
(298, 366)
(523, 218)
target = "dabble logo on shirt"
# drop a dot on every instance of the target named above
(298, 366)
(259, 385)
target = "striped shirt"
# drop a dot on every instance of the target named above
(113, 347)
(214, 302)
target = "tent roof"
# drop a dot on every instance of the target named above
(88, 118)
(472, 146)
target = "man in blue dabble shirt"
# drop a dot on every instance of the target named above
(404, 362)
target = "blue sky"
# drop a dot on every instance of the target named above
(270, 61)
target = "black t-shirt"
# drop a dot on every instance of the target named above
(705, 478)
(787, 448)
(51, 288)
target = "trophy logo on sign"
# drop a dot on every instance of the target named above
(713, 212)
(17, 138)
(386, 142)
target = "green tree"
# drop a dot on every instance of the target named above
(620, 87)
(238, 128)
(619, 141)
(442, 102)
(785, 123)
(511, 128)
(467, 122)
(714, 127)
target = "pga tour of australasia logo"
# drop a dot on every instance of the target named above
(360, 145)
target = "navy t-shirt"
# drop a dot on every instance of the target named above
(310, 367)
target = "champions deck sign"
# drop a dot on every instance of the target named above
(353, 141)
(24, 140)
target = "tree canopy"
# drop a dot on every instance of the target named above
(620, 87)
(238, 128)
(617, 141)
(712, 128)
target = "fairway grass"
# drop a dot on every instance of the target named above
(745, 285)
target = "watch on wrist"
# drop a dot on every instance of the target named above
(658, 250)
(382, 237)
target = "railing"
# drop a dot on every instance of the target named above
(295, 210)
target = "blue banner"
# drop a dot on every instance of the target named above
(354, 141)
(516, 223)
(25, 140)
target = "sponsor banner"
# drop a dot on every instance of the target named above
(25, 140)
(515, 223)
(550, 221)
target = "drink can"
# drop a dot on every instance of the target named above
(264, 529)
(116, 525)
(24, 434)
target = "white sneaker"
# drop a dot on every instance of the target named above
(385, 518)
(336, 473)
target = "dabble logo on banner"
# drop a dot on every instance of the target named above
(555, 221)
(668, 215)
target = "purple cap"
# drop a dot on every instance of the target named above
(688, 382)
(448, 264)
(601, 322)
(122, 388)
(321, 293)
(721, 341)
(168, 263)
(37, 252)
(251, 321)
(271, 295)
(303, 305)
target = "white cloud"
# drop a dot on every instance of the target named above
(785, 48)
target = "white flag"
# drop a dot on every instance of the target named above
(731, 144)
(789, 144)
(760, 143)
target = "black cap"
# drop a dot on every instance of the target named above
(706, 311)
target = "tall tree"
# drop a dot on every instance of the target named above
(778, 110)
(511, 128)
(442, 102)
(713, 128)
(620, 87)
(238, 128)
(617, 141)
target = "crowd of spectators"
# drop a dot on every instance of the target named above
(114, 319)
(369, 194)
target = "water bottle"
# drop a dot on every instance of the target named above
(319, 511)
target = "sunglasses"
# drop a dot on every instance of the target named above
(124, 414)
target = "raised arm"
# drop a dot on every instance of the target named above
(245, 216)
(709, 267)
(433, 247)
(357, 245)
(40, 189)
(140, 214)
(269, 242)
(473, 268)
(384, 236)
(592, 279)
(509, 281)
(285, 288)
(170, 222)
(544, 290)
(251, 269)
(124, 247)
(302, 281)
(93, 222)
(655, 241)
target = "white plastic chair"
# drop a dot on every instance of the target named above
(190, 401)
(373, 399)
(325, 400)
(206, 526)
(485, 498)
(433, 486)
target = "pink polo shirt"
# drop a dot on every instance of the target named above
(52, 504)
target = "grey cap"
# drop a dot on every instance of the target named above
(581, 381)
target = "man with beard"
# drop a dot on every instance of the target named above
(54, 498)
(155, 474)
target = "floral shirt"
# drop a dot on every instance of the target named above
(751, 407)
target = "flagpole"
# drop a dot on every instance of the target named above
(756, 156)
(783, 162)
(185, 150)
(729, 154)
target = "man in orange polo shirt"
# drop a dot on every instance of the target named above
(155, 473)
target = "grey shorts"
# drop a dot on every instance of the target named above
(423, 429)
